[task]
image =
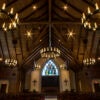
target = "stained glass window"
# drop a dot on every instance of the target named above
(50, 69)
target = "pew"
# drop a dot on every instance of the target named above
(22, 96)
(78, 96)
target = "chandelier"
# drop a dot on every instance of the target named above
(50, 52)
(87, 18)
(63, 66)
(11, 62)
(89, 61)
(37, 66)
(12, 18)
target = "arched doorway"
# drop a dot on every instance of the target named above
(50, 77)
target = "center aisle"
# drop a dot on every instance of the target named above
(50, 98)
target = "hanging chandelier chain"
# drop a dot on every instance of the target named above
(50, 52)
(50, 35)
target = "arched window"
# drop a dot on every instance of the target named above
(50, 69)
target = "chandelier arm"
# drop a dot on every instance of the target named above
(12, 17)
(87, 20)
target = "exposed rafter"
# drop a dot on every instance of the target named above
(50, 15)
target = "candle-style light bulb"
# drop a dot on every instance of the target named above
(3, 26)
(16, 16)
(14, 24)
(3, 6)
(95, 25)
(89, 25)
(88, 10)
(83, 16)
(11, 11)
(10, 26)
(82, 20)
(96, 6)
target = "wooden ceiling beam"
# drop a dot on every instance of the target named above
(33, 57)
(56, 16)
(36, 50)
(37, 18)
(64, 49)
(89, 3)
(36, 11)
(20, 41)
(64, 54)
(98, 50)
(92, 43)
(85, 42)
(71, 16)
(61, 18)
(60, 36)
(69, 53)
(72, 6)
(29, 5)
(79, 41)
(77, 21)
(7, 44)
(44, 39)
(41, 34)
(10, 3)
(24, 8)
(50, 10)
(2, 51)
(14, 45)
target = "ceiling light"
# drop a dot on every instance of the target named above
(65, 7)
(63, 66)
(59, 40)
(40, 40)
(11, 62)
(99, 58)
(70, 33)
(50, 52)
(1, 59)
(87, 18)
(28, 34)
(13, 19)
(89, 61)
(37, 66)
(34, 7)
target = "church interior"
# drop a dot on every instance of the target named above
(49, 48)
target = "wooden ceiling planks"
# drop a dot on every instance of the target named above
(50, 12)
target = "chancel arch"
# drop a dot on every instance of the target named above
(65, 81)
(50, 77)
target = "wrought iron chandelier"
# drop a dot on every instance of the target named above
(89, 61)
(87, 18)
(11, 62)
(50, 52)
(12, 19)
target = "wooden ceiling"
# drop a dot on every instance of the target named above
(15, 44)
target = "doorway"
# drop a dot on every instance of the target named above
(97, 87)
(4, 85)
(50, 84)
(3, 88)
